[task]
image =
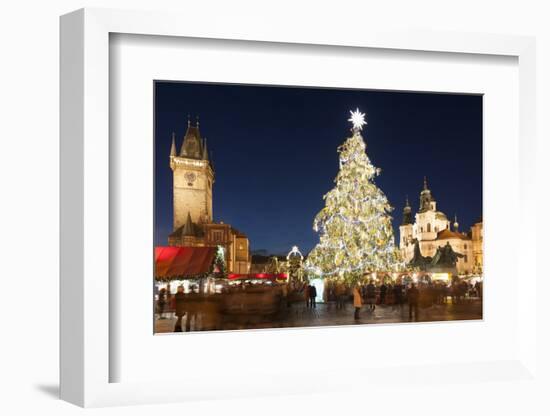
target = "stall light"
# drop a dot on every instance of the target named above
(445, 277)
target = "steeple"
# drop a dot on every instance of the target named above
(173, 148)
(407, 213)
(193, 179)
(455, 225)
(188, 229)
(192, 142)
(427, 202)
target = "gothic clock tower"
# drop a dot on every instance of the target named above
(193, 178)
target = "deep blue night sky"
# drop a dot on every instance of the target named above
(274, 153)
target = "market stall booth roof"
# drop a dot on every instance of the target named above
(259, 276)
(183, 261)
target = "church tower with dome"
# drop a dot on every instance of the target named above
(432, 229)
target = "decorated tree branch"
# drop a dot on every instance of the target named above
(218, 264)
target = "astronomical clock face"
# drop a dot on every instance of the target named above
(190, 177)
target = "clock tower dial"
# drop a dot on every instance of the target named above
(190, 177)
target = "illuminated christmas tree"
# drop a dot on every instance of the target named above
(218, 264)
(355, 230)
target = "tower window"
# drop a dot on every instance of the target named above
(217, 236)
(429, 228)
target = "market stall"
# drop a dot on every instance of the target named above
(171, 262)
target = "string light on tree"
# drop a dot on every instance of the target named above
(355, 230)
(294, 261)
(218, 265)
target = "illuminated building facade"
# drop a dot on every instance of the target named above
(193, 181)
(432, 229)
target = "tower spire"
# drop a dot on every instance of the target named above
(427, 202)
(173, 147)
(192, 144)
(407, 214)
(455, 225)
(188, 227)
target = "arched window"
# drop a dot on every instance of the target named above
(429, 229)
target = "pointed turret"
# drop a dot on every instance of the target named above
(427, 202)
(188, 228)
(407, 213)
(192, 142)
(173, 148)
(455, 225)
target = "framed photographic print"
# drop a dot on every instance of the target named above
(234, 206)
(267, 252)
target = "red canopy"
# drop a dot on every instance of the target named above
(183, 261)
(270, 276)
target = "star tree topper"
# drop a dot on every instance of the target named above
(357, 119)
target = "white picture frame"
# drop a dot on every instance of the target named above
(85, 352)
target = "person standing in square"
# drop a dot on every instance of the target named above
(312, 291)
(357, 301)
(412, 298)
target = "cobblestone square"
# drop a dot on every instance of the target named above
(326, 314)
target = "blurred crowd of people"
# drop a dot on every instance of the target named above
(423, 294)
(247, 298)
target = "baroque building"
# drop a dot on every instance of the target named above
(431, 229)
(193, 181)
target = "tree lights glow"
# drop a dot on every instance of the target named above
(356, 234)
